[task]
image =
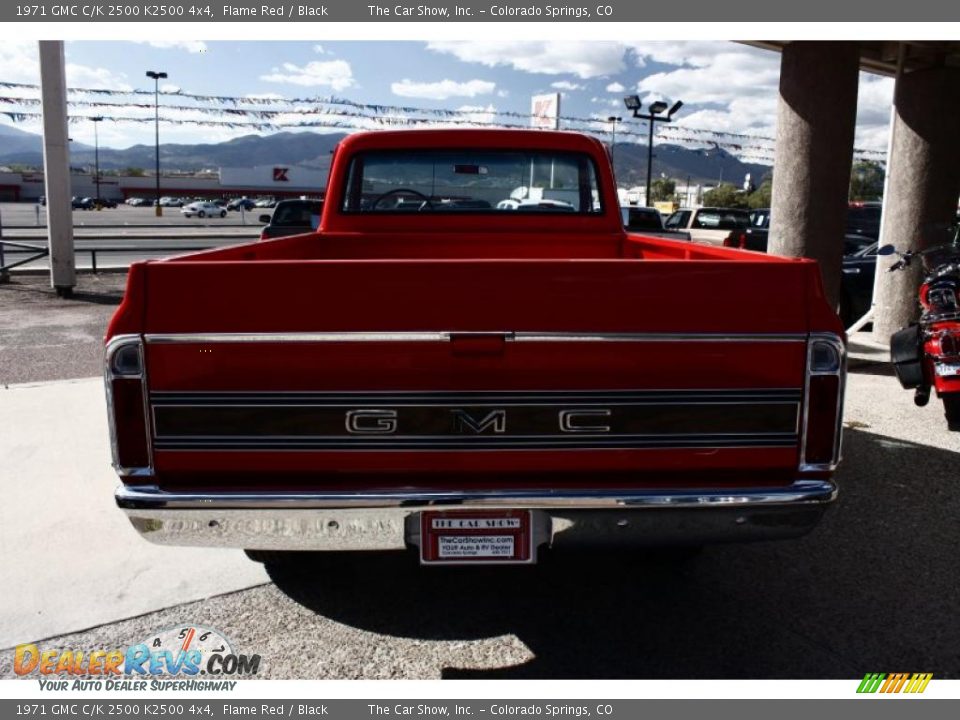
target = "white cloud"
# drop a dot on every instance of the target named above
(609, 102)
(335, 74)
(698, 53)
(566, 85)
(587, 59)
(873, 112)
(91, 77)
(615, 87)
(729, 76)
(169, 87)
(19, 61)
(443, 89)
(320, 50)
(191, 46)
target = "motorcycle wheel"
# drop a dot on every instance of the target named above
(951, 409)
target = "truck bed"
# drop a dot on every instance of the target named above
(619, 323)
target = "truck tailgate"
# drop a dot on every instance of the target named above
(491, 371)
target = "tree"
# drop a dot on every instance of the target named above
(725, 195)
(866, 180)
(133, 172)
(760, 198)
(662, 189)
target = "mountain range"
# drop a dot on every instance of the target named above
(312, 149)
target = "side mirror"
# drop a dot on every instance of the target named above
(265, 219)
(886, 250)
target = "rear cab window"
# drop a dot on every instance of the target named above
(472, 181)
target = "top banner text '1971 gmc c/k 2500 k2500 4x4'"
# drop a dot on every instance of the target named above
(472, 356)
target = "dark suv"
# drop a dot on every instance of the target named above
(863, 218)
(291, 217)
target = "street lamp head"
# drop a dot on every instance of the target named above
(156, 75)
(632, 102)
(614, 119)
(658, 107)
(96, 118)
(676, 106)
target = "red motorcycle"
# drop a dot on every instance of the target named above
(927, 354)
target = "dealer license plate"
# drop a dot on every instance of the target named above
(947, 369)
(475, 536)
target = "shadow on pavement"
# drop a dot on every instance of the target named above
(873, 588)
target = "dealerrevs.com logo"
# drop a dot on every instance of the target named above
(188, 657)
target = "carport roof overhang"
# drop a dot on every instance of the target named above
(880, 56)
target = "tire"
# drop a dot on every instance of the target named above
(201, 214)
(951, 410)
(845, 311)
(273, 557)
(223, 213)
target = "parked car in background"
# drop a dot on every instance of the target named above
(245, 203)
(859, 273)
(266, 203)
(757, 235)
(292, 217)
(139, 202)
(648, 221)
(81, 203)
(203, 209)
(105, 202)
(171, 202)
(708, 225)
(863, 218)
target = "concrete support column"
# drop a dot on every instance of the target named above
(923, 186)
(816, 118)
(56, 166)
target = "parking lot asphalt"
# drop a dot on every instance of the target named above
(44, 337)
(875, 586)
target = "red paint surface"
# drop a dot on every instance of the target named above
(478, 273)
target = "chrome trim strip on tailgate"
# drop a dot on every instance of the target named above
(449, 335)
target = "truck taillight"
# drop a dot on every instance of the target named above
(125, 380)
(823, 403)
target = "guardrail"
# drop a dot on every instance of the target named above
(41, 251)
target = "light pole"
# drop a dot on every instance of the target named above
(157, 77)
(632, 102)
(96, 156)
(613, 120)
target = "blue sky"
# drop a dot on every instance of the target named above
(725, 86)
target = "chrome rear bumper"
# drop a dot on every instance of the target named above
(384, 521)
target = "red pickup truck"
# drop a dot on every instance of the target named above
(472, 357)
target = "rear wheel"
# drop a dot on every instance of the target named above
(951, 409)
(845, 311)
(223, 213)
(275, 557)
(201, 214)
